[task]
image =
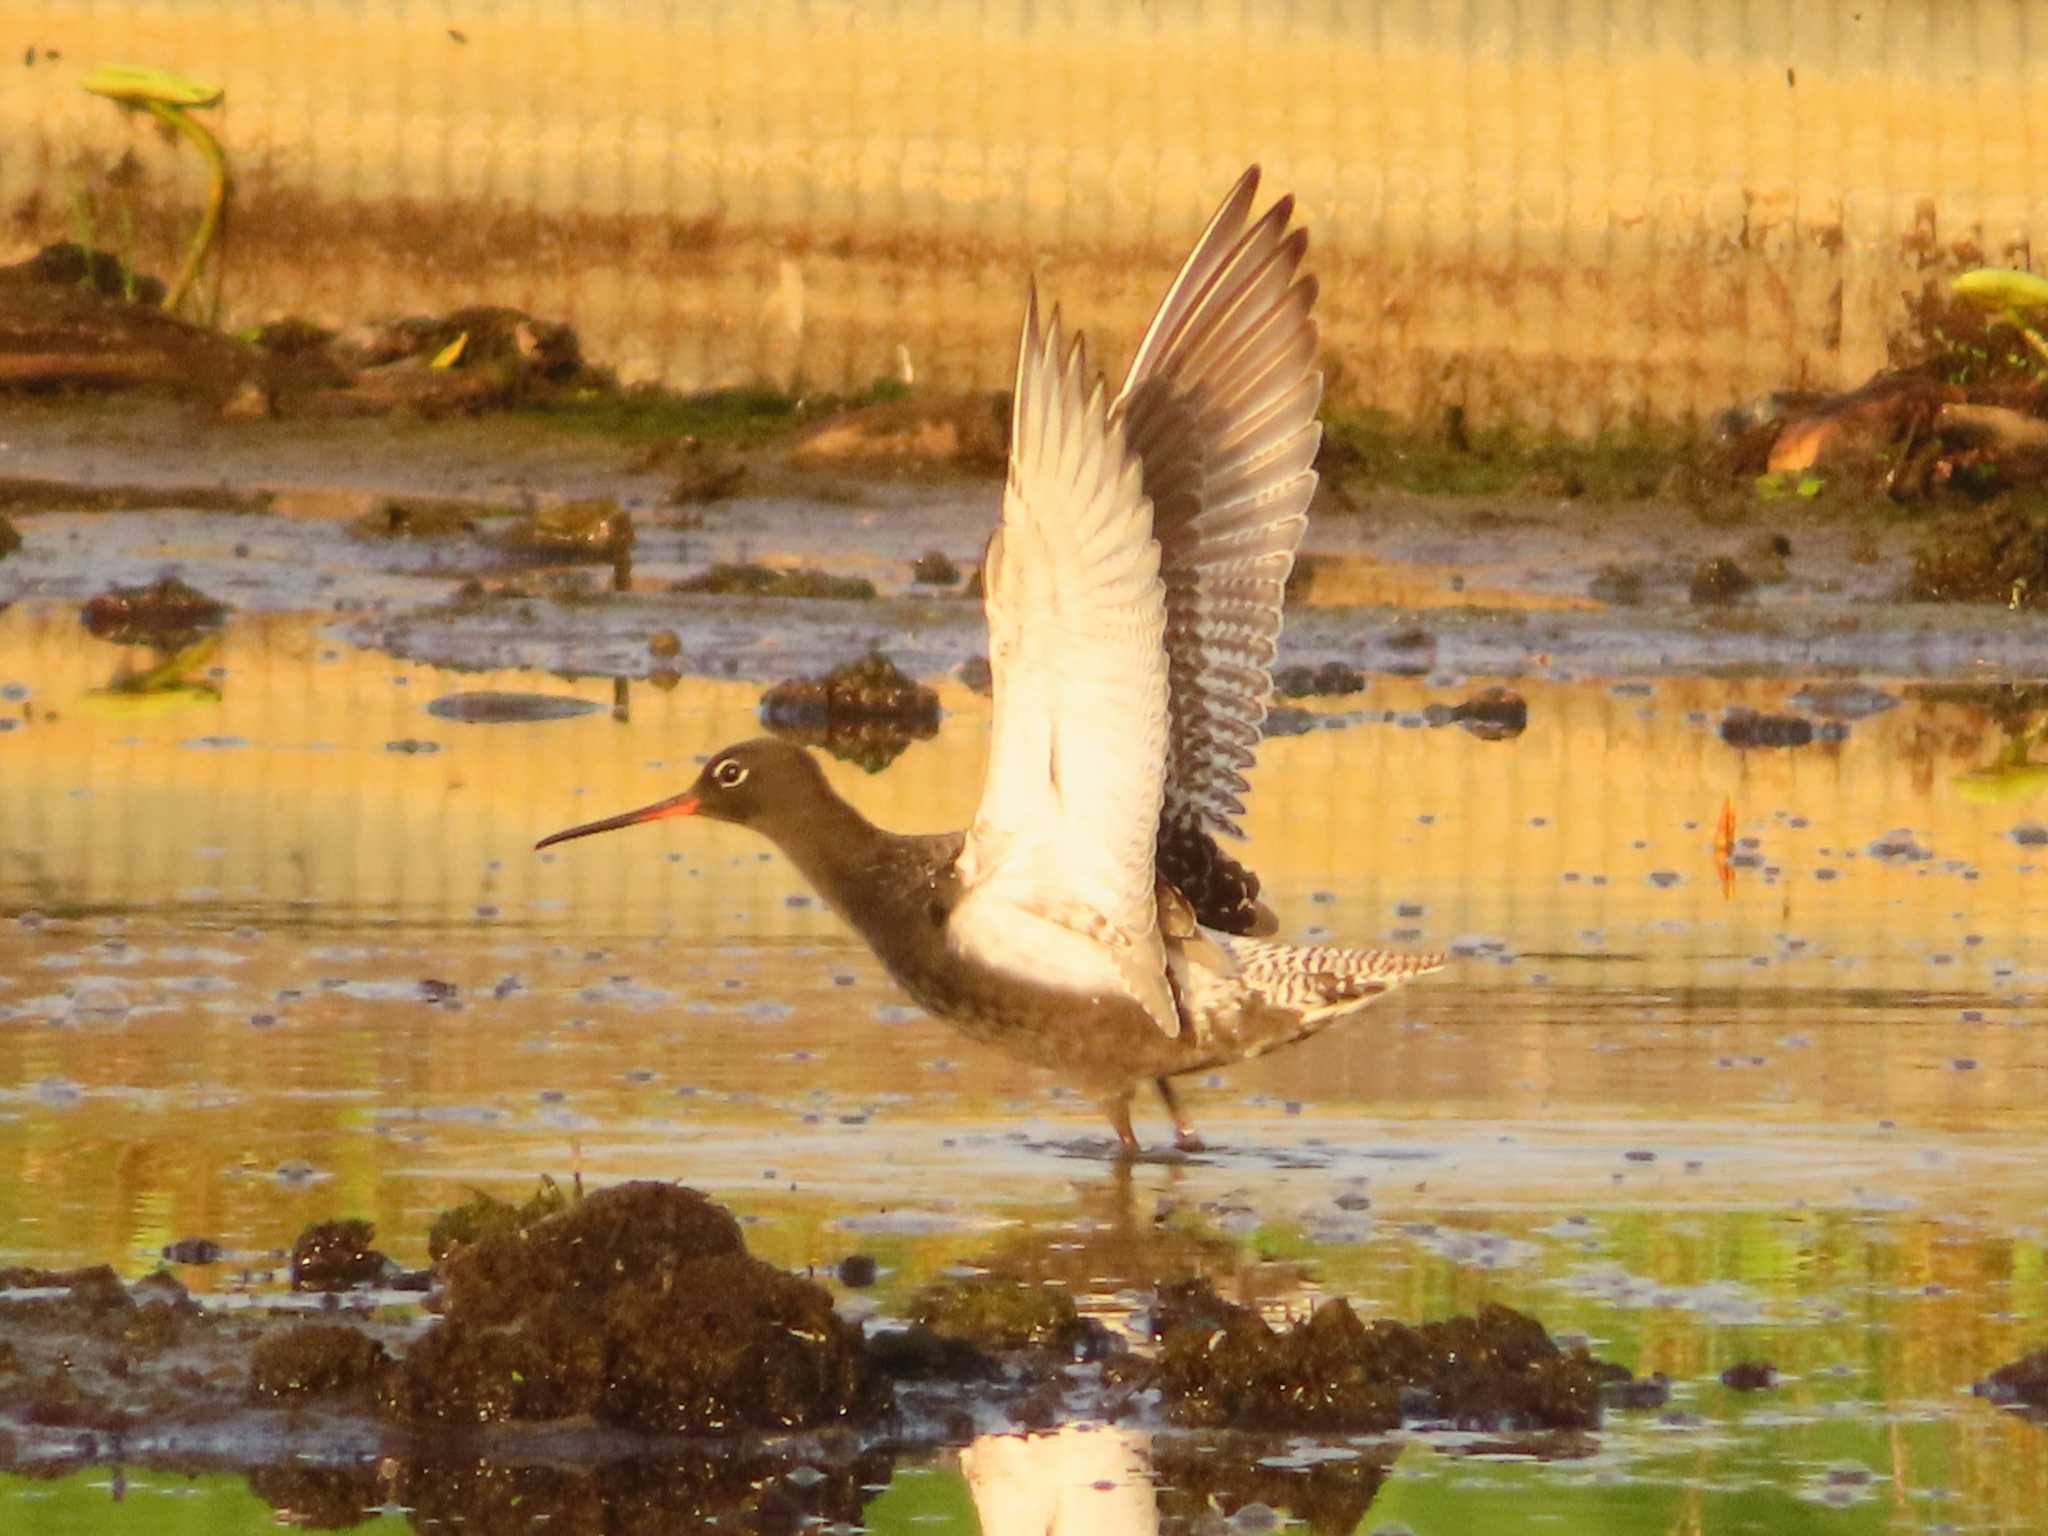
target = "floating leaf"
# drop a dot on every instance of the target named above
(135, 86)
(451, 354)
(2002, 288)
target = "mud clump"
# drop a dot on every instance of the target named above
(1750, 1376)
(1002, 1315)
(314, 1360)
(640, 1307)
(486, 1216)
(933, 569)
(595, 529)
(1619, 586)
(747, 579)
(1719, 581)
(2023, 1383)
(167, 614)
(337, 1256)
(1748, 728)
(1996, 554)
(1498, 1370)
(1333, 679)
(865, 712)
(1497, 714)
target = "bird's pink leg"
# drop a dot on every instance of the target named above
(1119, 1111)
(1184, 1135)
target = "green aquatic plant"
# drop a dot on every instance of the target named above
(171, 100)
(2008, 293)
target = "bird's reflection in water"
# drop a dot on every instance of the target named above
(1077, 1480)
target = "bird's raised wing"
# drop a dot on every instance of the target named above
(1077, 615)
(1220, 406)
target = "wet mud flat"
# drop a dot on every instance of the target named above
(457, 543)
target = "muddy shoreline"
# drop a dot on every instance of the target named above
(1490, 586)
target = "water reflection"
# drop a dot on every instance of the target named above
(257, 967)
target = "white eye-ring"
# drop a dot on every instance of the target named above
(729, 774)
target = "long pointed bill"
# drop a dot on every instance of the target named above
(682, 805)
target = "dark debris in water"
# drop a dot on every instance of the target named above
(2023, 1383)
(1748, 729)
(167, 613)
(337, 1256)
(1750, 1376)
(1333, 679)
(1495, 714)
(493, 708)
(864, 712)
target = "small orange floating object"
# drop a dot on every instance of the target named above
(1724, 849)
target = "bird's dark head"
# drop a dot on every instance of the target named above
(765, 784)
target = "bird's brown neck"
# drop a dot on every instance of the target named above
(835, 848)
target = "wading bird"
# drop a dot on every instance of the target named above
(1089, 921)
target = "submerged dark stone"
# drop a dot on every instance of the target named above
(1748, 728)
(336, 1256)
(1498, 1370)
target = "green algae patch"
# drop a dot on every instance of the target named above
(1222, 1365)
(1369, 450)
(639, 1307)
(314, 1360)
(994, 1314)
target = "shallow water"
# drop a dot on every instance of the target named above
(273, 949)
